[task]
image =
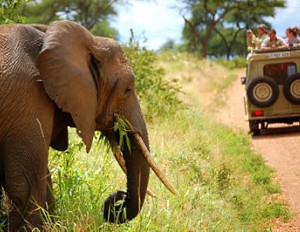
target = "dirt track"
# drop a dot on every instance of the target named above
(279, 147)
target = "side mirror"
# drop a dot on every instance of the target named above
(243, 80)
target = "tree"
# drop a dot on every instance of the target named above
(86, 12)
(168, 45)
(220, 16)
(8, 11)
(92, 14)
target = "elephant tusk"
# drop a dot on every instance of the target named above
(152, 163)
(148, 156)
(119, 157)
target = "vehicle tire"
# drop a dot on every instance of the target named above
(254, 128)
(291, 88)
(262, 91)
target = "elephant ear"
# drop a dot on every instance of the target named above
(64, 67)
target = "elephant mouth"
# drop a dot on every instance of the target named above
(145, 153)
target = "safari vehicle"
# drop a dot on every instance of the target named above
(272, 88)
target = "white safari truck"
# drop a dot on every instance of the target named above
(272, 87)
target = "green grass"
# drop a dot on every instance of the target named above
(223, 185)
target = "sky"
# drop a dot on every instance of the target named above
(158, 21)
(154, 20)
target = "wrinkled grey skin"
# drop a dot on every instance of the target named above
(52, 77)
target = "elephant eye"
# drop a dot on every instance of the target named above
(128, 90)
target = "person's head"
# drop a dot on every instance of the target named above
(290, 32)
(249, 33)
(272, 34)
(295, 29)
(261, 29)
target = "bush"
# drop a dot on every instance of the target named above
(239, 62)
(158, 97)
(9, 11)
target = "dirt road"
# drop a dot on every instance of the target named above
(279, 147)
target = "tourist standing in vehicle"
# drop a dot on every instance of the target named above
(253, 41)
(273, 41)
(291, 37)
(262, 34)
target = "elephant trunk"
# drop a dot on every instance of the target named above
(121, 206)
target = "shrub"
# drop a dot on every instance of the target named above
(239, 62)
(9, 11)
(158, 97)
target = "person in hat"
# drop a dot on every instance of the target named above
(262, 34)
(273, 41)
(256, 41)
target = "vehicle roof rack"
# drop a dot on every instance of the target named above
(275, 49)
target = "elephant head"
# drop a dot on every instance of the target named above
(90, 78)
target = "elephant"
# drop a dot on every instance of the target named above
(57, 76)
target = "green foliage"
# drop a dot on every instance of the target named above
(77, 188)
(42, 12)
(92, 14)
(168, 45)
(239, 62)
(121, 129)
(223, 177)
(104, 29)
(276, 210)
(8, 11)
(3, 210)
(221, 194)
(158, 97)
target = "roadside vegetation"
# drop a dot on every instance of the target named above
(223, 184)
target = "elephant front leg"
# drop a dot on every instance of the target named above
(26, 178)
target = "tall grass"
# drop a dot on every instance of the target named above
(223, 185)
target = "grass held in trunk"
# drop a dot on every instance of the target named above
(121, 129)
